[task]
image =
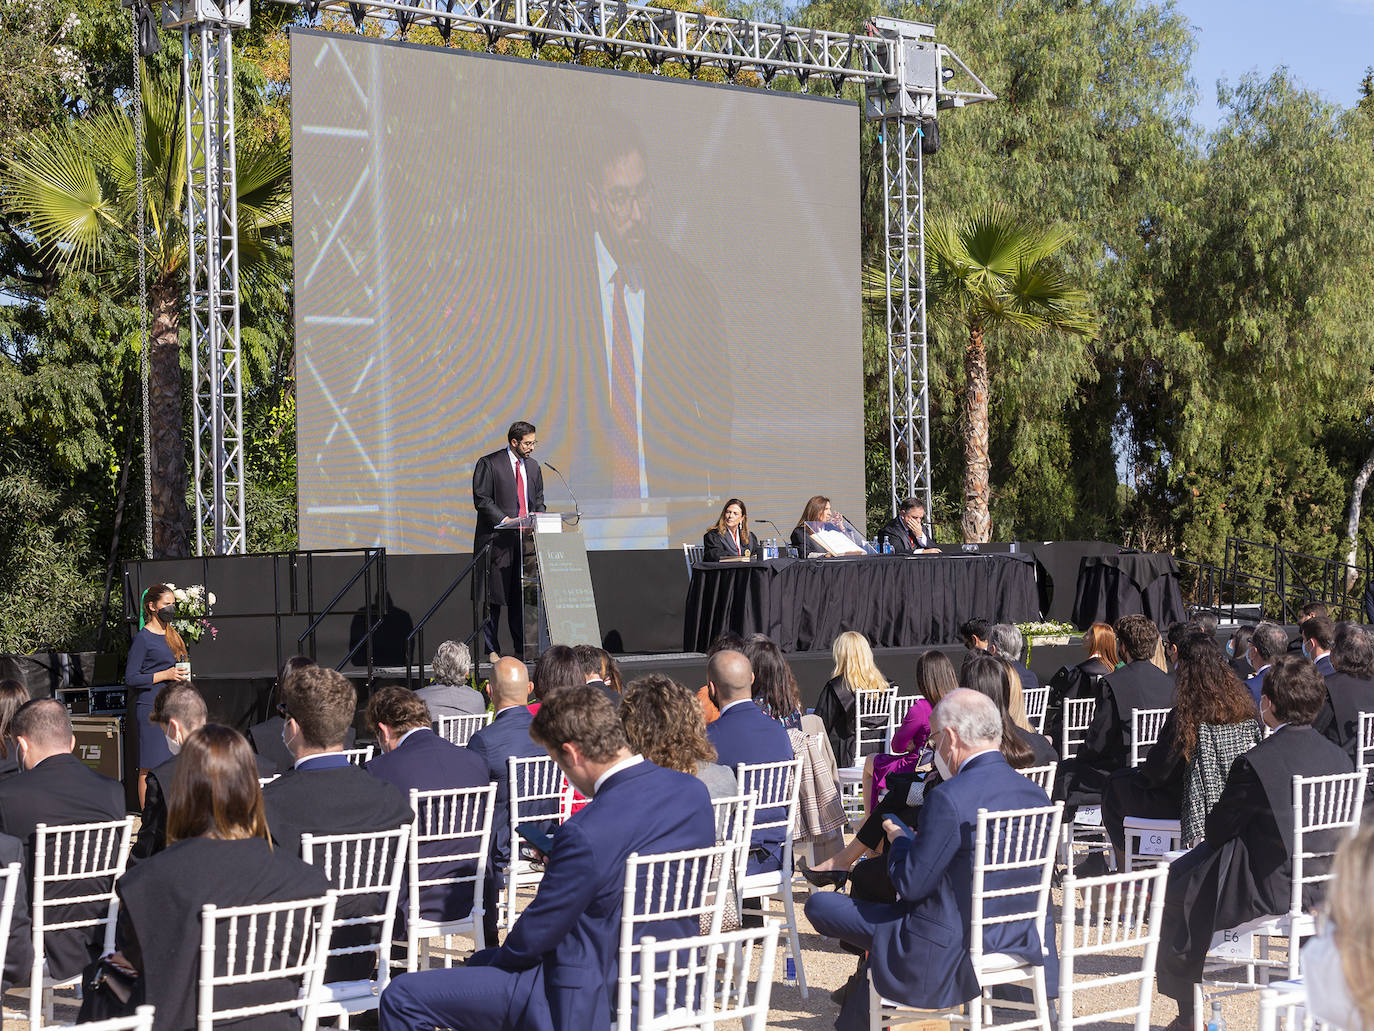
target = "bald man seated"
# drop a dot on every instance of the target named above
(745, 734)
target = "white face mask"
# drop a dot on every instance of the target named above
(173, 745)
(940, 764)
(285, 741)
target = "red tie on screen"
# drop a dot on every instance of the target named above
(520, 488)
(624, 429)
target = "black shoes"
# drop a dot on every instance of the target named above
(823, 878)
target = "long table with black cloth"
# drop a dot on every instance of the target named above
(894, 601)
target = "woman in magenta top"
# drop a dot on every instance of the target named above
(935, 678)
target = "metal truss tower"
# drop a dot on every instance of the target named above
(907, 77)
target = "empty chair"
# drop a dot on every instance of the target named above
(448, 852)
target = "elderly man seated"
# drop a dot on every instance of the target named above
(919, 946)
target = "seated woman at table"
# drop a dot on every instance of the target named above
(730, 537)
(817, 510)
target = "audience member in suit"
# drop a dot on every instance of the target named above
(19, 950)
(596, 670)
(1316, 636)
(1138, 685)
(506, 484)
(413, 756)
(975, 633)
(180, 711)
(58, 789)
(450, 694)
(1008, 642)
(13, 694)
(919, 946)
(325, 794)
(664, 724)
(1267, 643)
(557, 968)
(219, 853)
(1349, 689)
(744, 734)
(1242, 870)
(908, 533)
(1208, 692)
(1080, 680)
(507, 736)
(1238, 651)
(731, 536)
(267, 737)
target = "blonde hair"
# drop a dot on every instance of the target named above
(1351, 887)
(1016, 699)
(1157, 659)
(854, 663)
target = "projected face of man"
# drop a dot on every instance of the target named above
(618, 201)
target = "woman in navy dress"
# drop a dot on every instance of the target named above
(152, 660)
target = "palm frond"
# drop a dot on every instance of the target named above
(56, 188)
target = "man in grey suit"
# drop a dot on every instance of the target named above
(450, 694)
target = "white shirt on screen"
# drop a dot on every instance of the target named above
(515, 461)
(606, 268)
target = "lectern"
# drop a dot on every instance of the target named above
(555, 583)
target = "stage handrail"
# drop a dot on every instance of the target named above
(374, 556)
(417, 633)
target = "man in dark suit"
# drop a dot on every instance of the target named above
(744, 734)
(1243, 868)
(907, 533)
(325, 794)
(919, 946)
(1010, 644)
(1267, 643)
(593, 662)
(507, 736)
(58, 789)
(1317, 634)
(1349, 688)
(506, 484)
(1138, 685)
(557, 968)
(180, 711)
(413, 756)
(647, 358)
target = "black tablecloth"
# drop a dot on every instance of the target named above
(895, 602)
(1112, 586)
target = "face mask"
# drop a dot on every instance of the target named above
(285, 741)
(167, 613)
(1230, 649)
(945, 772)
(1306, 653)
(173, 745)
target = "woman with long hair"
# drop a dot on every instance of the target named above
(154, 655)
(988, 675)
(816, 510)
(664, 724)
(219, 851)
(935, 678)
(1207, 694)
(730, 537)
(775, 688)
(1338, 962)
(1079, 681)
(13, 694)
(854, 671)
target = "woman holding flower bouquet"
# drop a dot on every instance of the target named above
(154, 656)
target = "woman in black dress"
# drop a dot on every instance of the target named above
(153, 658)
(730, 537)
(1080, 681)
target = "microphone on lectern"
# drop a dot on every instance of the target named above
(577, 510)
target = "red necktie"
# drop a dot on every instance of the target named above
(520, 488)
(735, 536)
(624, 419)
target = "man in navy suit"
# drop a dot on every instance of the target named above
(1266, 644)
(1317, 635)
(744, 734)
(919, 946)
(507, 736)
(413, 756)
(506, 484)
(557, 968)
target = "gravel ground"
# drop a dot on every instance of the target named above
(827, 967)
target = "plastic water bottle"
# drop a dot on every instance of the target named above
(887, 545)
(1215, 1021)
(789, 976)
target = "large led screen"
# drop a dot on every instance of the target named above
(661, 275)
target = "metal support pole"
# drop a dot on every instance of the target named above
(207, 76)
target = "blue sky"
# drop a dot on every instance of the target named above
(1326, 44)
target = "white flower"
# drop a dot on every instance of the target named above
(170, 586)
(210, 598)
(180, 596)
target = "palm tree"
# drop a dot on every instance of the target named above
(986, 271)
(74, 188)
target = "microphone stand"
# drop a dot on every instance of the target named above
(781, 536)
(577, 510)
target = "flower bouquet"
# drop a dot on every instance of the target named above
(1047, 632)
(194, 605)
